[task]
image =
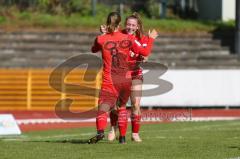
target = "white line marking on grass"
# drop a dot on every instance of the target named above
(197, 127)
(68, 135)
(177, 137)
(158, 137)
(29, 138)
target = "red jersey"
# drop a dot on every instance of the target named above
(134, 58)
(116, 49)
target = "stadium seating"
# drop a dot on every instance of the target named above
(27, 59)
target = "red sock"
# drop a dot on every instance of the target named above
(113, 117)
(101, 120)
(135, 119)
(122, 121)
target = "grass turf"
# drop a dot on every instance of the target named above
(185, 140)
(26, 20)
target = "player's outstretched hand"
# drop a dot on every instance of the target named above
(145, 58)
(103, 29)
(153, 34)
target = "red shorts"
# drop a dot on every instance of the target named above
(106, 97)
(137, 74)
(119, 91)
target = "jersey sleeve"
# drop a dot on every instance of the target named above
(144, 40)
(139, 49)
(96, 46)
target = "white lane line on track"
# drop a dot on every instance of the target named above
(48, 121)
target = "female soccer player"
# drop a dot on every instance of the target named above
(133, 27)
(116, 84)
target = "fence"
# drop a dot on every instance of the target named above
(29, 89)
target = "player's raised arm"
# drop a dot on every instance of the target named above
(145, 51)
(96, 46)
(103, 29)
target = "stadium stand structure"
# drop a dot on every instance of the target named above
(27, 59)
(46, 50)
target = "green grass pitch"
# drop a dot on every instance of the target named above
(181, 140)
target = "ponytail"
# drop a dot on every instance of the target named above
(113, 21)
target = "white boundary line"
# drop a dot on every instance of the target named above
(61, 121)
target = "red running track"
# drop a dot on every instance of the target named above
(164, 114)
